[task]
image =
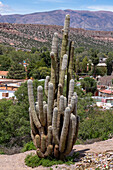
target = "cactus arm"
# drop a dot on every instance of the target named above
(32, 105)
(56, 151)
(65, 102)
(70, 70)
(71, 90)
(63, 70)
(33, 128)
(65, 38)
(64, 131)
(37, 141)
(62, 78)
(71, 134)
(49, 136)
(40, 105)
(45, 114)
(54, 125)
(54, 62)
(49, 151)
(46, 85)
(50, 104)
(43, 143)
(37, 110)
(39, 153)
(73, 103)
(70, 66)
(32, 136)
(76, 131)
(76, 100)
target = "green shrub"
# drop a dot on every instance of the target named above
(98, 124)
(34, 161)
(28, 146)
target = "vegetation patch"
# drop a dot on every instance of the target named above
(32, 160)
(28, 146)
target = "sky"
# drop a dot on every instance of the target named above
(31, 6)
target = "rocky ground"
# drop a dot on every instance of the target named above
(96, 156)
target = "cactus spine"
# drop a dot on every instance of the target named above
(54, 125)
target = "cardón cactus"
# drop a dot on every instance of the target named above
(54, 125)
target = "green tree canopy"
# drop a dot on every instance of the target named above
(89, 84)
(109, 63)
(17, 71)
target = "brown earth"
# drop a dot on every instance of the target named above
(16, 161)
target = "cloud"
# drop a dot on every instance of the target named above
(4, 9)
(100, 8)
(53, 1)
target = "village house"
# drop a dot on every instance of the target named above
(3, 74)
(8, 87)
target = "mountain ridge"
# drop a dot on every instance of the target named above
(89, 20)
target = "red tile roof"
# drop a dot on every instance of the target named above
(106, 91)
(3, 73)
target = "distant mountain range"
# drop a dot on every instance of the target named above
(99, 20)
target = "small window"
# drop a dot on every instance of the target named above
(5, 94)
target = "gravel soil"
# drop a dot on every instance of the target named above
(91, 157)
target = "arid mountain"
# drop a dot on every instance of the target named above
(99, 20)
(34, 35)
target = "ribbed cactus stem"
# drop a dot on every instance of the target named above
(32, 105)
(56, 151)
(39, 153)
(65, 102)
(40, 105)
(43, 143)
(76, 132)
(64, 131)
(49, 151)
(37, 110)
(55, 43)
(73, 104)
(70, 70)
(63, 70)
(46, 85)
(67, 24)
(54, 125)
(49, 135)
(61, 105)
(54, 62)
(45, 113)
(60, 112)
(70, 106)
(34, 130)
(33, 137)
(65, 38)
(71, 133)
(71, 90)
(50, 104)
(76, 100)
(62, 77)
(37, 141)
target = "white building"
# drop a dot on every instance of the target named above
(6, 94)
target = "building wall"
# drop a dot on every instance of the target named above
(10, 94)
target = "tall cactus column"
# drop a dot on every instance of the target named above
(54, 125)
(65, 38)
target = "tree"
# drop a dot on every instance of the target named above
(84, 64)
(109, 63)
(95, 60)
(89, 84)
(5, 63)
(17, 71)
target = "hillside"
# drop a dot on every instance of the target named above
(33, 35)
(89, 20)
